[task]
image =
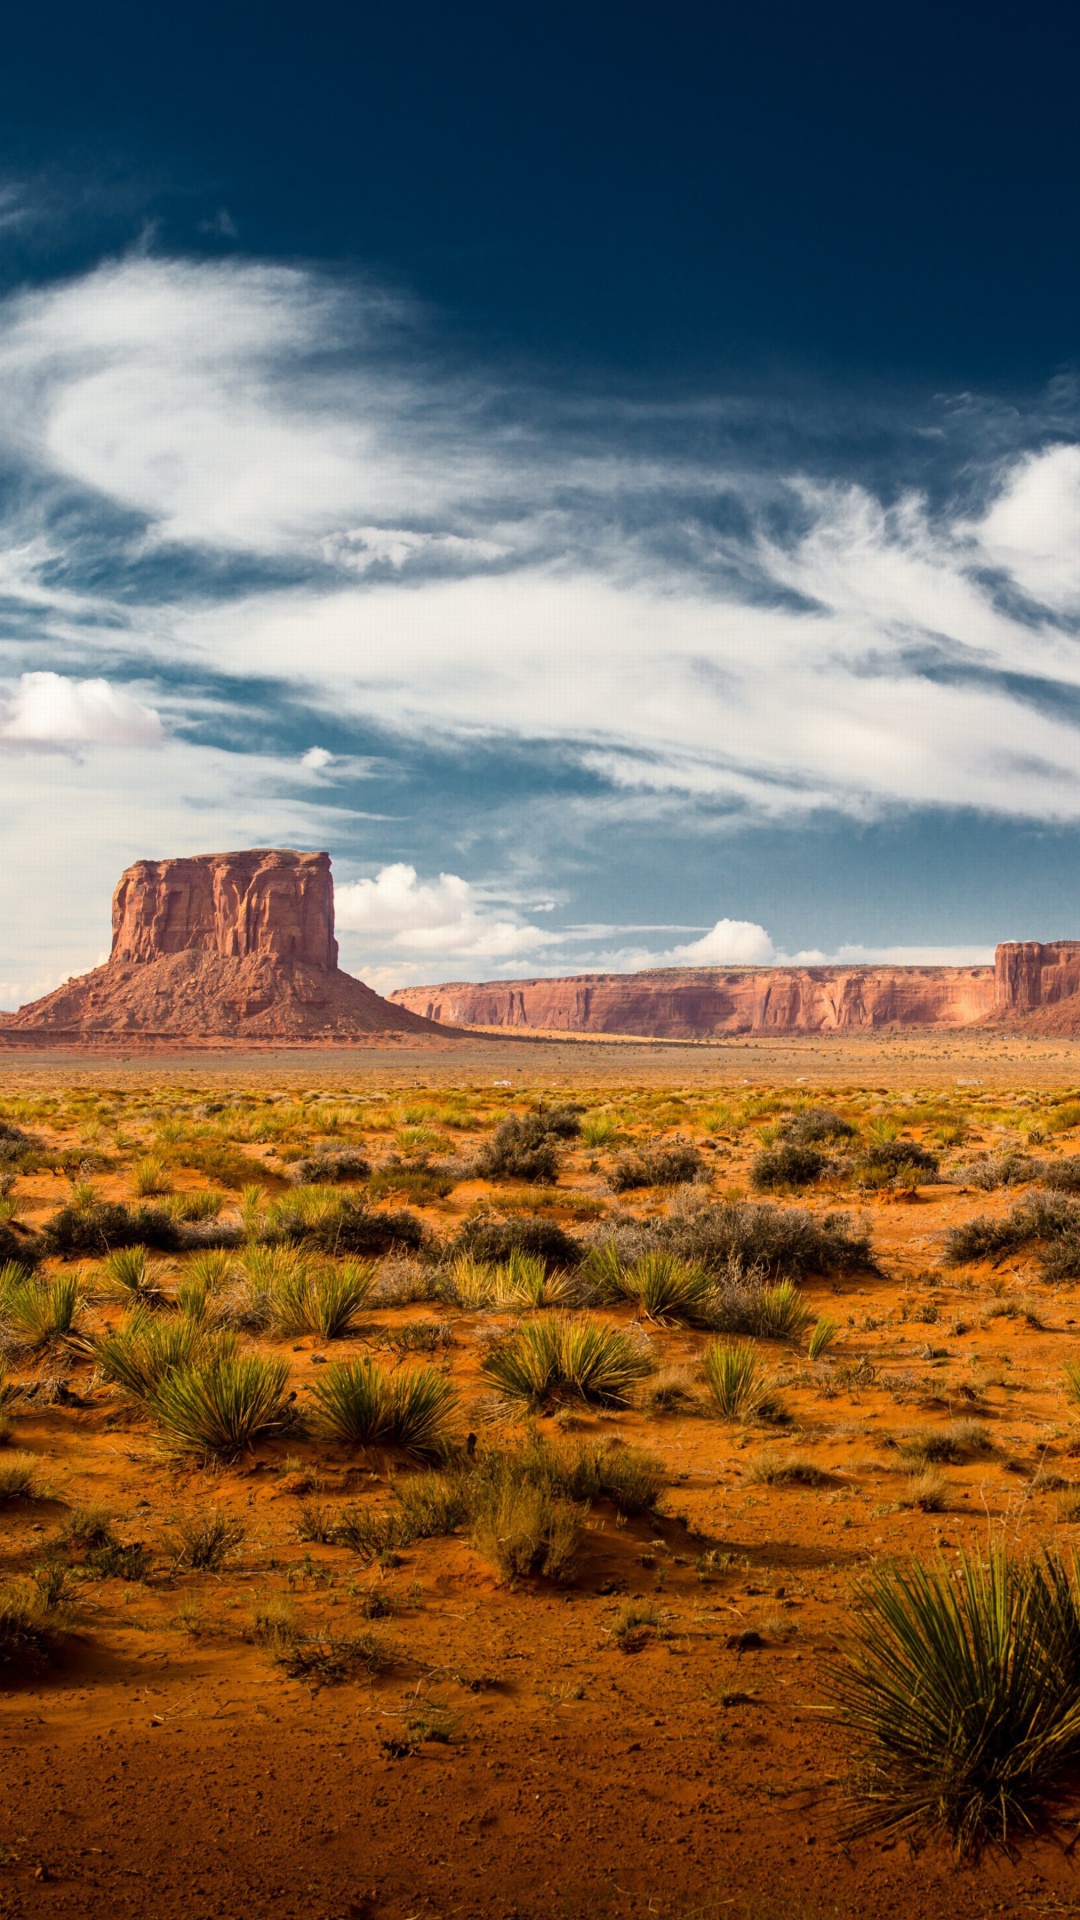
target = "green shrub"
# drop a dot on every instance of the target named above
(888, 1159)
(219, 1407)
(959, 1685)
(494, 1241)
(344, 1224)
(735, 1379)
(661, 1167)
(37, 1313)
(362, 1404)
(789, 1164)
(758, 1236)
(667, 1290)
(139, 1353)
(325, 1302)
(104, 1224)
(555, 1357)
(520, 1149)
(814, 1124)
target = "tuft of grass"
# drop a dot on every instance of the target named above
(795, 1471)
(520, 1526)
(958, 1684)
(150, 1176)
(735, 1380)
(947, 1444)
(822, 1334)
(139, 1353)
(1072, 1381)
(556, 1356)
(218, 1408)
(203, 1542)
(18, 1477)
(326, 1301)
(635, 1625)
(130, 1276)
(667, 1290)
(362, 1404)
(599, 1130)
(25, 1624)
(37, 1313)
(928, 1491)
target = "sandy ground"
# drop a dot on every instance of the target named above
(162, 1765)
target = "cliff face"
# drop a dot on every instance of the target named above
(266, 901)
(693, 1003)
(225, 946)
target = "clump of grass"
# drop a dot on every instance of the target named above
(220, 1407)
(794, 1471)
(326, 1301)
(18, 1477)
(928, 1491)
(340, 1224)
(665, 1289)
(757, 1236)
(37, 1313)
(363, 1405)
(1072, 1381)
(203, 1542)
(822, 1335)
(959, 1684)
(635, 1625)
(519, 1525)
(735, 1380)
(25, 1624)
(328, 1165)
(150, 1176)
(201, 1205)
(520, 1282)
(138, 1354)
(556, 1357)
(661, 1167)
(130, 1276)
(599, 1130)
(947, 1444)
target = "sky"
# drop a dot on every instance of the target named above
(609, 475)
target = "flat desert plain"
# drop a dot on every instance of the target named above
(561, 1651)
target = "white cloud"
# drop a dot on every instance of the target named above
(730, 943)
(1033, 527)
(316, 758)
(49, 710)
(444, 917)
(366, 547)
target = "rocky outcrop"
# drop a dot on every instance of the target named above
(699, 1003)
(225, 946)
(1037, 985)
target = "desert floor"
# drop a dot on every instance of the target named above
(160, 1762)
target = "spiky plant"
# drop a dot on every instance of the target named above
(471, 1283)
(781, 1313)
(323, 1301)
(954, 1683)
(18, 1476)
(150, 1176)
(362, 1404)
(562, 1355)
(603, 1269)
(667, 1289)
(1072, 1381)
(36, 1313)
(219, 1407)
(735, 1379)
(130, 1276)
(139, 1353)
(822, 1334)
(523, 1280)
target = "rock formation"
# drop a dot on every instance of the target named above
(1031, 988)
(225, 946)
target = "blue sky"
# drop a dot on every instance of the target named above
(612, 478)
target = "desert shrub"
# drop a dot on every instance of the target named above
(599, 1130)
(201, 1206)
(324, 1301)
(659, 1167)
(106, 1224)
(14, 1248)
(16, 1147)
(130, 1276)
(493, 1240)
(795, 1471)
(822, 1335)
(25, 1624)
(418, 1180)
(814, 1124)
(518, 1283)
(220, 1407)
(328, 1165)
(204, 1541)
(665, 1289)
(959, 1687)
(36, 1313)
(518, 1523)
(735, 1379)
(760, 1236)
(139, 1353)
(344, 1224)
(557, 1357)
(150, 1176)
(220, 1161)
(745, 1303)
(520, 1149)
(882, 1160)
(995, 1170)
(1061, 1176)
(1048, 1217)
(362, 1404)
(788, 1164)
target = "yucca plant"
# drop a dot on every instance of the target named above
(735, 1379)
(822, 1334)
(324, 1301)
(139, 1353)
(362, 1404)
(667, 1289)
(523, 1280)
(219, 1407)
(603, 1269)
(1072, 1381)
(781, 1313)
(960, 1685)
(35, 1313)
(131, 1276)
(150, 1176)
(599, 1129)
(559, 1355)
(471, 1284)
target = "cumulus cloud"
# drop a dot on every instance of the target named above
(444, 917)
(1032, 529)
(49, 710)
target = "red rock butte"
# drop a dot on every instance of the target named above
(222, 946)
(1030, 988)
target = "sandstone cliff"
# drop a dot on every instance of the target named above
(227, 946)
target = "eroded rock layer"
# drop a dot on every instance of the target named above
(225, 946)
